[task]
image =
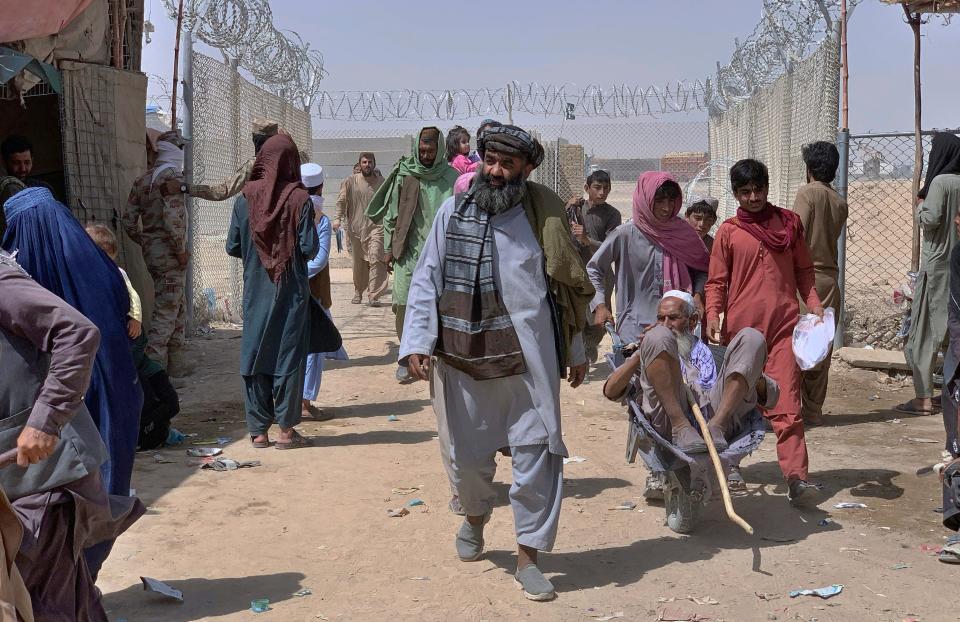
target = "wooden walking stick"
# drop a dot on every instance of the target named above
(715, 459)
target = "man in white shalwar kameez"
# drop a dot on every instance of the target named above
(499, 296)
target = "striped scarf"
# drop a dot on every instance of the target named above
(476, 333)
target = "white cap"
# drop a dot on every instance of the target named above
(682, 295)
(311, 174)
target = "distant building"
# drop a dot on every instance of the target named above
(624, 169)
(684, 165)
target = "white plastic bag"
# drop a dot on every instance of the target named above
(812, 338)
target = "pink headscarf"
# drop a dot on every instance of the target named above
(682, 247)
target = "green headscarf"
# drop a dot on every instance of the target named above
(436, 182)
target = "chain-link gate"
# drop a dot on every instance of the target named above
(224, 107)
(879, 233)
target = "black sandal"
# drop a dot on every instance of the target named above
(298, 440)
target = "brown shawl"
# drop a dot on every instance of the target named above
(275, 197)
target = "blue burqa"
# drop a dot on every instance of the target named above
(56, 251)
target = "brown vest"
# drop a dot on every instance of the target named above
(320, 287)
(407, 207)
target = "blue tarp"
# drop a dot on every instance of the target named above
(12, 63)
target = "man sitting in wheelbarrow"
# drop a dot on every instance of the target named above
(669, 354)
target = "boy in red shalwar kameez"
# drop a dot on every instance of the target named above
(758, 264)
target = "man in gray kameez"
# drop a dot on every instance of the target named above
(639, 280)
(499, 296)
(47, 351)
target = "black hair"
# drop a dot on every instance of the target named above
(258, 140)
(668, 190)
(702, 207)
(602, 177)
(454, 137)
(15, 144)
(747, 172)
(486, 125)
(480, 130)
(822, 160)
(314, 189)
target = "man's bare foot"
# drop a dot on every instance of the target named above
(260, 441)
(289, 438)
(305, 410)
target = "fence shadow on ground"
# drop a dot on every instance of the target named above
(775, 521)
(867, 483)
(203, 598)
(375, 437)
(370, 360)
(879, 415)
(379, 409)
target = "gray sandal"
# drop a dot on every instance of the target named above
(735, 480)
(535, 586)
(469, 540)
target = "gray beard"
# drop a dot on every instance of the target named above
(685, 342)
(497, 200)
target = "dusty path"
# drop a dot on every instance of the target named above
(316, 518)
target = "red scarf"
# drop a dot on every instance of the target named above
(275, 200)
(759, 225)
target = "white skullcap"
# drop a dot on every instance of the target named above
(312, 174)
(682, 295)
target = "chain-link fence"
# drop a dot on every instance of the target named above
(879, 233)
(224, 108)
(623, 148)
(799, 107)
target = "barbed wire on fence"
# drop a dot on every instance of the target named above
(532, 98)
(787, 33)
(243, 30)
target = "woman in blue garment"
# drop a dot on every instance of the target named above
(53, 247)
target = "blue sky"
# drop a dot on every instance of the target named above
(428, 44)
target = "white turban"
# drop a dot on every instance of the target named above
(682, 295)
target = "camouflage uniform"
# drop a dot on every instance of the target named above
(226, 188)
(234, 184)
(156, 219)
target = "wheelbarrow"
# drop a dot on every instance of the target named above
(689, 479)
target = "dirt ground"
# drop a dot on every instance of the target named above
(316, 518)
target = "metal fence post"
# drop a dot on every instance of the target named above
(843, 145)
(188, 174)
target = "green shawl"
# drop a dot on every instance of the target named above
(440, 177)
(569, 285)
(436, 185)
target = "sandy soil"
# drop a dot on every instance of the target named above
(316, 518)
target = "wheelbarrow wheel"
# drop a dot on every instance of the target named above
(682, 507)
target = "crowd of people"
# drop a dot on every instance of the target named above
(500, 290)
